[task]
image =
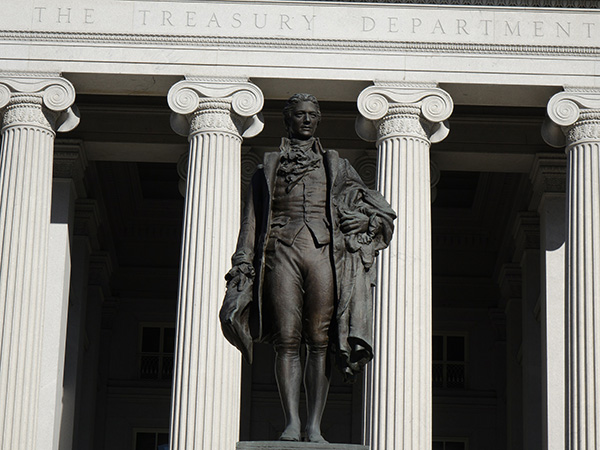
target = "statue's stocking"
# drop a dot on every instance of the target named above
(316, 382)
(288, 373)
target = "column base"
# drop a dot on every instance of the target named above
(283, 445)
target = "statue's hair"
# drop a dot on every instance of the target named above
(293, 101)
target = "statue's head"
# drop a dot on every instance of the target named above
(301, 115)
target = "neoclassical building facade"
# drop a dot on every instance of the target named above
(130, 130)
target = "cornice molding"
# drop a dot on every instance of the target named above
(230, 105)
(216, 42)
(591, 4)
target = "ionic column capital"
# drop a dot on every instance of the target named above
(403, 109)
(573, 117)
(223, 105)
(38, 100)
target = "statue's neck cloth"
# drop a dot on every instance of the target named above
(297, 159)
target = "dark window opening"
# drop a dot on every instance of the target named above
(449, 362)
(157, 352)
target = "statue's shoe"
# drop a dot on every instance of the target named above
(290, 435)
(316, 438)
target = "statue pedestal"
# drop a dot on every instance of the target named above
(283, 445)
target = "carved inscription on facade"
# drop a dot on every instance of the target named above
(63, 15)
(407, 23)
(480, 27)
(195, 19)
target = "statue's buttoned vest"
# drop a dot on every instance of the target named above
(304, 206)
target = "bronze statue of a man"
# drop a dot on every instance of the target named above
(302, 268)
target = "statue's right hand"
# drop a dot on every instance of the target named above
(354, 222)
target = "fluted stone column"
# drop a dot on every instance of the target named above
(207, 379)
(32, 109)
(577, 112)
(404, 120)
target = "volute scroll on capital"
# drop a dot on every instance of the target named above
(429, 104)
(52, 96)
(232, 106)
(573, 117)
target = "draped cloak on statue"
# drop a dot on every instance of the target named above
(243, 318)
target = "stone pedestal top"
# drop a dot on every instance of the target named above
(282, 445)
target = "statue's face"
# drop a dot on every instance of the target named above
(304, 121)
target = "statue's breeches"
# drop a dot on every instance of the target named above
(298, 293)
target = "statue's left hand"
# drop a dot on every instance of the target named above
(354, 222)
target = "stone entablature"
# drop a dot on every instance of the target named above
(300, 40)
(521, 3)
(292, 21)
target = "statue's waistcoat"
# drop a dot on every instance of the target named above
(303, 206)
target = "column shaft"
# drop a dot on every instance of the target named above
(208, 376)
(207, 380)
(399, 379)
(25, 187)
(582, 296)
(31, 112)
(405, 119)
(576, 112)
